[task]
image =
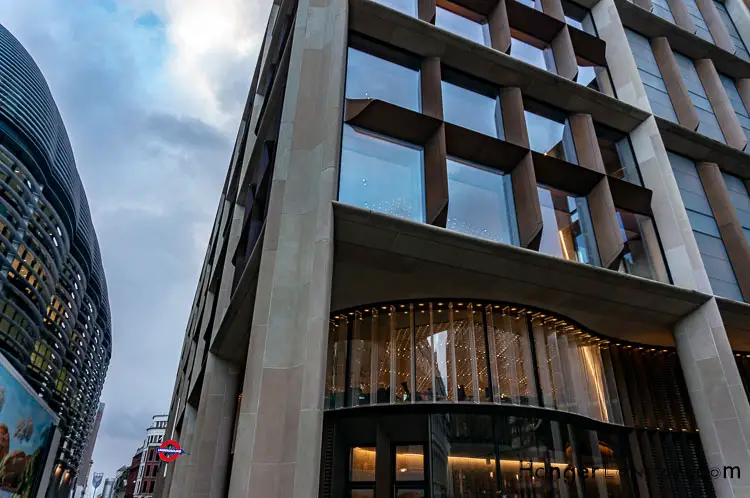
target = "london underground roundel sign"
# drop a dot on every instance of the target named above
(169, 451)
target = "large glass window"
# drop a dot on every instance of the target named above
(575, 373)
(526, 455)
(364, 333)
(579, 17)
(464, 462)
(617, 154)
(549, 132)
(463, 22)
(481, 202)
(362, 472)
(408, 7)
(473, 105)
(531, 50)
(410, 463)
(402, 373)
(372, 77)
(567, 231)
(382, 174)
(511, 364)
(362, 464)
(595, 77)
(642, 255)
(473, 352)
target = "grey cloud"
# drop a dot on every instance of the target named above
(185, 131)
(153, 181)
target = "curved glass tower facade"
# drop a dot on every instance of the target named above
(55, 324)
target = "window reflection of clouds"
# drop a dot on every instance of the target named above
(382, 174)
(480, 202)
(462, 26)
(472, 110)
(370, 77)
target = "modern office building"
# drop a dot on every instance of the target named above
(54, 311)
(479, 248)
(149, 461)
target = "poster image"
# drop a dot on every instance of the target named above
(25, 427)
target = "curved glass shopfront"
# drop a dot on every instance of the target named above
(502, 400)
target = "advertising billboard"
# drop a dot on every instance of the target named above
(26, 429)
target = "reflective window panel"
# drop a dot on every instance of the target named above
(382, 174)
(456, 351)
(567, 231)
(408, 7)
(409, 463)
(365, 336)
(362, 493)
(409, 493)
(549, 132)
(336, 375)
(511, 363)
(371, 77)
(531, 50)
(463, 22)
(362, 464)
(595, 77)
(579, 17)
(481, 202)
(642, 255)
(464, 463)
(473, 109)
(575, 373)
(485, 456)
(617, 154)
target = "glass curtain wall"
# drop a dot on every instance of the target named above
(468, 453)
(470, 352)
(486, 456)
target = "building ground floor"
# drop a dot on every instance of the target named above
(470, 398)
(451, 368)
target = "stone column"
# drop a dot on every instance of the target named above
(681, 15)
(277, 450)
(719, 402)
(717, 395)
(676, 86)
(174, 485)
(205, 475)
(715, 25)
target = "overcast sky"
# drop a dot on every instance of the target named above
(151, 93)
